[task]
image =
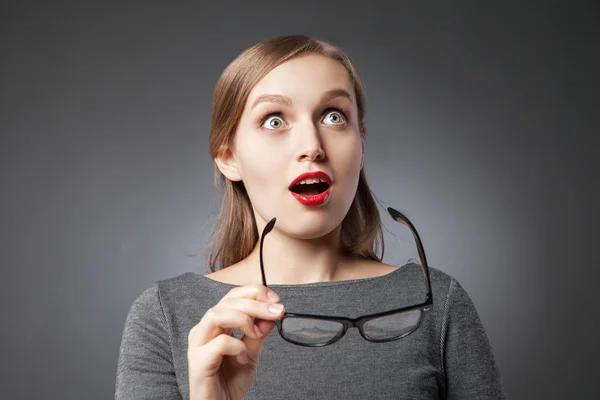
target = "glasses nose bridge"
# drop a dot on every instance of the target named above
(351, 323)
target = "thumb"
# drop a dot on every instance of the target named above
(254, 346)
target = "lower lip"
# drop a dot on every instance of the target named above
(313, 200)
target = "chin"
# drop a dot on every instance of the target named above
(308, 227)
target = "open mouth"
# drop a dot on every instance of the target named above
(310, 188)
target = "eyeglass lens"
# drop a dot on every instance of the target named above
(392, 326)
(314, 331)
(310, 330)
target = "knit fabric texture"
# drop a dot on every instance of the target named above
(447, 357)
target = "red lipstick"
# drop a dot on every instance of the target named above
(312, 199)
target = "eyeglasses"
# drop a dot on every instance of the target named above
(319, 330)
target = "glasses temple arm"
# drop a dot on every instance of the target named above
(268, 228)
(399, 217)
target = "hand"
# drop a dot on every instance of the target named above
(220, 366)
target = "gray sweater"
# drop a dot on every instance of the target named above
(448, 357)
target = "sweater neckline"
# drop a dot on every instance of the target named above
(347, 282)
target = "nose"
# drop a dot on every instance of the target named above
(310, 147)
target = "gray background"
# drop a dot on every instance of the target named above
(483, 129)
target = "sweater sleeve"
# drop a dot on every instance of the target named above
(470, 369)
(145, 366)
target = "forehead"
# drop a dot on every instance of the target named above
(304, 78)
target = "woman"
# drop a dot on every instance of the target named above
(287, 138)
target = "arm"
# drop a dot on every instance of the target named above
(470, 368)
(145, 367)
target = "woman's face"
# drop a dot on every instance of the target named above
(301, 117)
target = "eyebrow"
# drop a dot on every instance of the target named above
(286, 101)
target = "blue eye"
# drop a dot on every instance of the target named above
(272, 121)
(336, 117)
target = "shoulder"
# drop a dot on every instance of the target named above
(188, 287)
(452, 302)
(150, 300)
(447, 291)
(440, 280)
(186, 280)
(448, 294)
(171, 307)
(184, 293)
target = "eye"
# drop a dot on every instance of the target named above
(272, 121)
(335, 117)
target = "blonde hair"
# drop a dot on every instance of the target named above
(235, 233)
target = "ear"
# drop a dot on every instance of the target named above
(226, 163)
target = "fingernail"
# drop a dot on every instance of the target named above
(275, 308)
(272, 296)
(258, 332)
(245, 358)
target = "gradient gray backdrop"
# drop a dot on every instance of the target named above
(483, 129)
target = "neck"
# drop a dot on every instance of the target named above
(290, 260)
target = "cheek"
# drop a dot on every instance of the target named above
(252, 155)
(346, 158)
(261, 167)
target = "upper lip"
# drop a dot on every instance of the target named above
(313, 175)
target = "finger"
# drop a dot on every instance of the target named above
(228, 332)
(217, 319)
(253, 308)
(207, 359)
(253, 291)
(254, 346)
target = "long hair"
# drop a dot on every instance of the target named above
(235, 233)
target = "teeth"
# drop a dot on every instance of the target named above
(311, 181)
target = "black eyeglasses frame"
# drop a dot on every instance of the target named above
(359, 322)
